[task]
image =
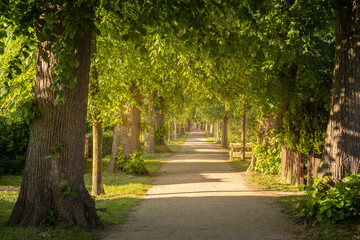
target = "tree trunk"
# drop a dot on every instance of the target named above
(180, 129)
(175, 131)
(217, 135)
(97, 185)
(212, 130)
(342, 143)
(149, 139)
(149, 132)
(224, 140)
(54, 171)
(159, 125)
(111, 167)
(243, 125)
(215, 131)
(169, 131)
(188, 125)
(127, 134)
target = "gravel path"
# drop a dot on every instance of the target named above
(199, 195)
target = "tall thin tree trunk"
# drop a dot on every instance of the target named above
(111, 167)
(159, 125)
(175, 131)
(212, 129)
(97, 184)
(342, 143)
(54, 171)
(169, 131)
(149, 132)
(224, 140)
(243, 128)
(180, 129)
(217, 132)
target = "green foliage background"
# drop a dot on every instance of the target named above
(14, 140)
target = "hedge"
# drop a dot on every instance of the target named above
(14, 141)
(107, 143)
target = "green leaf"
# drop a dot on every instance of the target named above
(3, 34)
(2, 48)
(73, 62)
(9, 75)
(25, 54)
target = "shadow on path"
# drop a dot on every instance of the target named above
(198, 195)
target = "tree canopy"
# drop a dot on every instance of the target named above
(206, 60)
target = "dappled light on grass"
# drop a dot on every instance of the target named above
(271, 182)
(122, 192)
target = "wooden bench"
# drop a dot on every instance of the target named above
(234, 146)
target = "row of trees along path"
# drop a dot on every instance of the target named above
(278, 52)
(199, 195)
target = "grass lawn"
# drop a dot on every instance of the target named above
(122, 192)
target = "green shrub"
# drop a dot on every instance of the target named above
(14, 141)
(305, 128)
(107, 143)
(330, 205)
(134, 163)
(268, 159)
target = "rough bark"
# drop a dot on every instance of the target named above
(224, 140)
(127, 134)
(342, 143)
(97, 184)
(57, 183)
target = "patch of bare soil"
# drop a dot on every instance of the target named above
(199, 195)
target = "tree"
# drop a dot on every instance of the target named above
(341, 148)
(159, 124)
(97, 185)
(53, 176)
(149, 118)
(127, 133)
(224, 137)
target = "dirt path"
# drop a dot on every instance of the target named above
(198, 195)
